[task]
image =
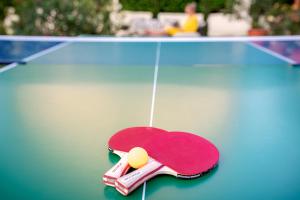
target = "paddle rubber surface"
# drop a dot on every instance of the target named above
(185, 153)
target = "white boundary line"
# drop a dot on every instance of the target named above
(272, 53)
(148, 39)
(8, 67)
(46, 51)
(34, 56)
(157, 58)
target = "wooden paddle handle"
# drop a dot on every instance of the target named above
(129, 182)
(116, 171)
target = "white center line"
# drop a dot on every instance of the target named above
(153, 98)
(154, 83)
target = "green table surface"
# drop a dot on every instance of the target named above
(58, 111)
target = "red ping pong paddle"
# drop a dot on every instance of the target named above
(180, 154)
(126, 139)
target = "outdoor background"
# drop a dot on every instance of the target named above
(71, 18)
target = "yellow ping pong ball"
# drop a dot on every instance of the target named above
(137, 157)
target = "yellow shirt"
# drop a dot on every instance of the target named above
(190, 25)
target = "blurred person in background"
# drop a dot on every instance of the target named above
(190, 24)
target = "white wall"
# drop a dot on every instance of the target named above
(227, 25)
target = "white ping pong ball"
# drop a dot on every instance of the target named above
(137, 157)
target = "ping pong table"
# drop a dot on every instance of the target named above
(58, 111)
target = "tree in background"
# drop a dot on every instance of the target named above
(258, 9)
(60, 17)
(284, 19)
(155, 6)
(4, 4)
(276, 17)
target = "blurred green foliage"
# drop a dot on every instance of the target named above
(278, 15)
(3, 6)
(156, 6)
(56, 17)
(283, 20)
(65, 17)
(258, 8)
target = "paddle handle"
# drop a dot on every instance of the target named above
(116, 171)
(129, 182)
